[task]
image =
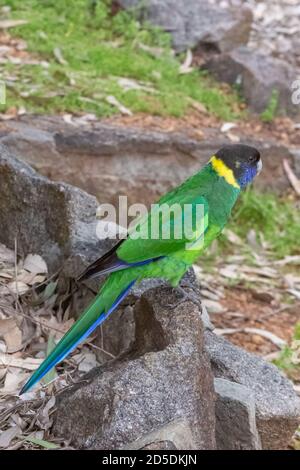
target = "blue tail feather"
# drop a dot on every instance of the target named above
(102, 317)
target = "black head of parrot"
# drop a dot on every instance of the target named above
(244, 161)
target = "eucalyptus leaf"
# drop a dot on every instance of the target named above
(41, 442)
(50, 376)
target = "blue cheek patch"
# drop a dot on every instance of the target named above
(248, 173)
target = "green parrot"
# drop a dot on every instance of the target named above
(163, 253)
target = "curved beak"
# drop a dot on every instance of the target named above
(259, 166)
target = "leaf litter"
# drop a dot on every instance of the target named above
(32, 320)
(255, 300)
(252, 297)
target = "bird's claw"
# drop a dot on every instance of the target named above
(186, 296)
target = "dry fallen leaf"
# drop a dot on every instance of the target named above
(86, 360)
(59, 57)
(154, 51)
(112, 100)
(279, 342)
(291, 281)
(29, 363)
(85, 119)
(6, 275)
(13, 379)
(5, 24)
(288, 260)
(295, 293)
(55, 327)
(15, 287)
(264, 271)
(252, 239)
(11, 333)
(130, 84)
(210, 295)
(30, 278)
(68, 118)
(230, 271)
(213, 306)
(43, 419)
(233, 137)
(6, 255)
(35, 264)
(295, 182)
(186, 67)
(7, 436)
(297, 389)
(232, 237)
(227, 126)
(3, 371)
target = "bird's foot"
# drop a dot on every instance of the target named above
(186, 296)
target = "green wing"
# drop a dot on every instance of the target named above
(161, 233)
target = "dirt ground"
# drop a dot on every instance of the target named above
(199, 125)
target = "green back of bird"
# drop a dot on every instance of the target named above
(206, 188)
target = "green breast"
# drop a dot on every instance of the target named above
(221, 197)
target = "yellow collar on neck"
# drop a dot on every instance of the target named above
(222, 170)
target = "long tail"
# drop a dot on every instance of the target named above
(93, 316)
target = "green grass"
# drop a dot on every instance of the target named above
(276, 218)
(98, 49)
(286, 360)
(270, 112)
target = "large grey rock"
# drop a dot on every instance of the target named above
(235, 417)
(195, 22)
(296, 156)
(165, 377)
(276, 29)
(109, 160)
(277, 405)
(118, 332)
(175, 435)
(258, 76)
(54, 220)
